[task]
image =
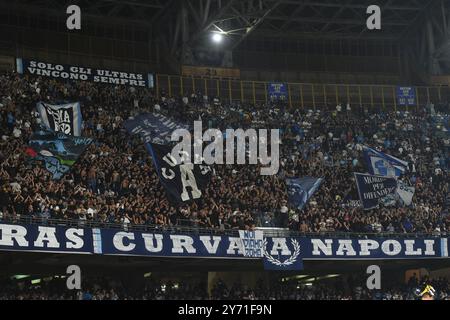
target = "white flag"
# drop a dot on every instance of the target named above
(405, 193)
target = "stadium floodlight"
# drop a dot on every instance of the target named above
(217, 37)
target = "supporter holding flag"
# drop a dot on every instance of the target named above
(56, 150)
(375, 190)
(300, 190)
(182, 181)
(405, 193)
(65, 118)
(382, 164)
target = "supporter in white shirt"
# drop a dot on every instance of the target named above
(17, 133)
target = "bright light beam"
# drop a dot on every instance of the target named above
(217, 37)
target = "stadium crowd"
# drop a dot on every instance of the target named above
(114, 181)
(149, 289)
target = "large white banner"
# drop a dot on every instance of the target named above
(252, 243)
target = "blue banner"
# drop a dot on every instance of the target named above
(277, 91)
(300, 190)
(406, 96)
(34, 238)
(381, 164)
(377, 248)
(58, 151)
(152, 127)
(73, 72)
(279, 253)
(166, 244)
(375, 191)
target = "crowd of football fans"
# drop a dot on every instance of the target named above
(150, 289)
(114, 181)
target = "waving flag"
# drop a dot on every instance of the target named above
(405, 193)
(57, 151)
(182, 181)
(65, 118)
(300, 190)
(381, 164)
(375, 190)
(154, 128)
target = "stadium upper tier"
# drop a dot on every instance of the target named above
(114, 180)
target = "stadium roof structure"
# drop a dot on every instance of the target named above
(185, 24)
(280, 18)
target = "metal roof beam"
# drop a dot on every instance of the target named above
(355, 6)
(355, 22)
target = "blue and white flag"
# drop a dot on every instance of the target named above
(154, 128)
(283, 254)
(375, 190)
(405, 193)
(65, 118)
(57, 151)
(300, 190)
(384, 165)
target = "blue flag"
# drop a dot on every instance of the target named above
(384, 165)
(154, 128)
(300, 190)
(375, 190)
(56, 150)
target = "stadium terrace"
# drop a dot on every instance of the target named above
(225, 149)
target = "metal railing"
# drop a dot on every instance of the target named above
(299, 95)
(269, 232)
